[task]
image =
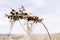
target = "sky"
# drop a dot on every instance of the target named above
(47, 9)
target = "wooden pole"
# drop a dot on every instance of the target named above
(12, 23)
(46, 30)
(28, 32)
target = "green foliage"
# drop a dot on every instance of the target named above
(14, 17)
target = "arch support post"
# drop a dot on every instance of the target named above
(47, 31)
